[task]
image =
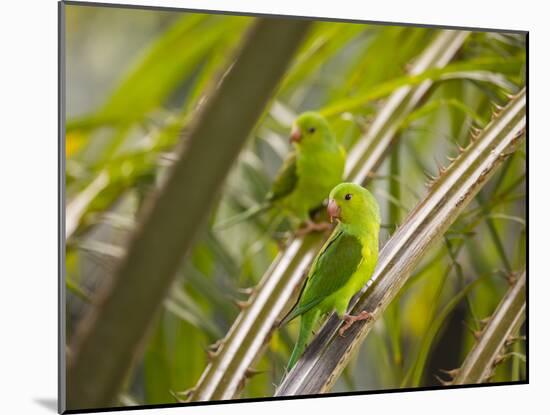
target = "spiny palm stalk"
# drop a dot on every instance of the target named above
(233, 356)
(328, 354)
(108, 338)
(480, 363)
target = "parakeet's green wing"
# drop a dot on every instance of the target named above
(286, 179)
(332, 269)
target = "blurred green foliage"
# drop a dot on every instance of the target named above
(343, 70)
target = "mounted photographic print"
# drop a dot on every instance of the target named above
(259, 207)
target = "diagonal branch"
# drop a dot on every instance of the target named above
(227, 370)
(126, 305)
(328, 354)
(508, 317)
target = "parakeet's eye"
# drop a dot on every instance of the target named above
(348, 196)
(311, 130)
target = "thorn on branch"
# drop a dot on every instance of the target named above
(249, 373)
(281, 244)
(512, 339)
(518, 134)
(440, 168)
(213, 349)
(475, 133)
(215, 346)
(429, 176)
(475, 333)
(186, 394)
(431, 179)
(451, 373)
(499, 359)
(443, 382)
(495, 111)
(511, 277)
(242, 304)
(246, 290)
(484, 322)
(175, 396)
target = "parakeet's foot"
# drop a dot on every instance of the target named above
(349, 320)
(313, 227)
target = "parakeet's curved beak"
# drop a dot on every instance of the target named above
(295, 135)
(333, 210)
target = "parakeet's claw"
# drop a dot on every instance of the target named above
(313, 227)
(350, 319)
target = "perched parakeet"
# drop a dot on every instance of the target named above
(314, 166)
(343, 265)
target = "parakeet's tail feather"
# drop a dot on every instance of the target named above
(292, 313)
(306, 326)
(247, 214)
(298, 309)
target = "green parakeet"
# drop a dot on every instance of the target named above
(314, 166)
(343, 265)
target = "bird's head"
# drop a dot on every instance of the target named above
(352, 204)
(309, 127)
